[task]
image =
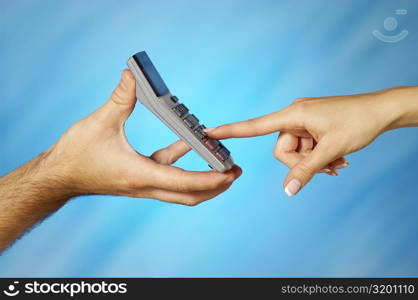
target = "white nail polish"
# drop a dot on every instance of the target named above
(208, 129)
(342, 166)
(292, 187)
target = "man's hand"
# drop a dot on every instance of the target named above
(94, 157)
(316, 133)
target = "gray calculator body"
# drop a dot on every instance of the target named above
(152, 92)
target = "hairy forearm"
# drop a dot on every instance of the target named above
(27, 195)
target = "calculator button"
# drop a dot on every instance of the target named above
(199, 132)
(219, 156)
(222, 153)
(174, 99)
(180, 110)
(212, 144)
(191, 121)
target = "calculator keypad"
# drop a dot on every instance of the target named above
(199, 132)
(220, 151)
(191, 121)
(212, 144)
(181, 110)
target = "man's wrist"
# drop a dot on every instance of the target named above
(28, 194)
(40, 180)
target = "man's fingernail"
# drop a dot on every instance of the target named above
(208, 129)
(292, 187)
(342, 166)
(123, 81)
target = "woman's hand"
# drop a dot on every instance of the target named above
(316, 133)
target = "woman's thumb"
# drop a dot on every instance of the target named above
(303, 172)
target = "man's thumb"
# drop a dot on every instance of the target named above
(122, 101)
(303, 172)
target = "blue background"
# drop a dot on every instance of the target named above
(228, 61)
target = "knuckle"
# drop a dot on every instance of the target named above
(155, 155)
(180, 186)
(192, 201)
(163, 156)
(278, 154)
(171, 158)
(305, 171)
(299, 107)
(118, 95)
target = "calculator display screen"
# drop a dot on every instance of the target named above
(151, 73)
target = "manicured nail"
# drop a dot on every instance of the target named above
(293, 187)
(333, 172)
(208, 129)
(342, 166)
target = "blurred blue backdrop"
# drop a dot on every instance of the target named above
(228, 60)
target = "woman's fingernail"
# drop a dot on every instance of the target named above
(292, 187)
(332, 172)
(326, 170)
(342, 166)
(208, 129)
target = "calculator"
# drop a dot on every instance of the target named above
(153, 93)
